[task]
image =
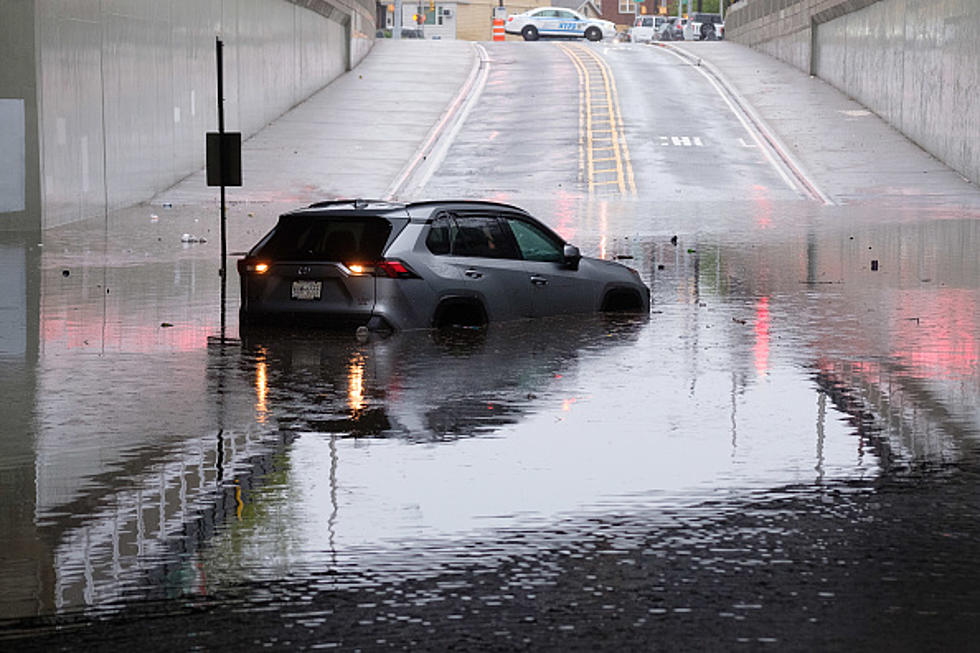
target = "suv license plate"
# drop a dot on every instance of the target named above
(307, 289)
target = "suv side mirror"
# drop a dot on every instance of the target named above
(572, 256)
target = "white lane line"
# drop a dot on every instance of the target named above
(681, 141)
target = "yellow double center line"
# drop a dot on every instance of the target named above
(604, 157)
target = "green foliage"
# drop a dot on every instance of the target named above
(707, 6)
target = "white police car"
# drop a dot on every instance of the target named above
(557, 21)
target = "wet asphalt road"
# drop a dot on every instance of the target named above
(782, 455)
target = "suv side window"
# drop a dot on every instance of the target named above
(536, 244)
(484, 236)
(440, 236)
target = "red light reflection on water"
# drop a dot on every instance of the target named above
(90, 331)
(566, 218)
(943, 342)
(763, 205)
(761, 347)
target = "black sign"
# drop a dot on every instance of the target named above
(224, 159)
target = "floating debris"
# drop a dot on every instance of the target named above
(362, 334)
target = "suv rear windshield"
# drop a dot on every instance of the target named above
(708, 18)
(318, 238)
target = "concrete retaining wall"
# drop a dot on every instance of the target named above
(117, 95)
(913, 63)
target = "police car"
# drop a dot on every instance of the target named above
(557, 21)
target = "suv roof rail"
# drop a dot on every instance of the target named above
(358, 204)
(464, 203)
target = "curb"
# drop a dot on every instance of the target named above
(434, 147)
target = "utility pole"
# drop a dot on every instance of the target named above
(396, 28)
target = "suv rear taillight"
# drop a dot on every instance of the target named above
(395, 269)
(391, 268)
(252, 266)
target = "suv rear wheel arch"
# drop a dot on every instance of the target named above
(459, 311)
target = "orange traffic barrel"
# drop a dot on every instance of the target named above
(498, 29)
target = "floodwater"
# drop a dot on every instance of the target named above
(795, 356)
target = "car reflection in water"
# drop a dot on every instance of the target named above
(425, 386)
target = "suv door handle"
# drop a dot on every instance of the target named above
(539, 281)
(473, 274)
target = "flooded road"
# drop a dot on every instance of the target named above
(783, 453)
(789, 438)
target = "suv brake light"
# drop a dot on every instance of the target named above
(396, 269)
(391, 268)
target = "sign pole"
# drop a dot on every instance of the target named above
(219, 46)
(224, 168)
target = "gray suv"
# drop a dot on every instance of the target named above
(426, 264)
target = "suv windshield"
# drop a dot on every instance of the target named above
(317, 238)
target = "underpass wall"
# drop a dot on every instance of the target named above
(913, 63)
(118, 94)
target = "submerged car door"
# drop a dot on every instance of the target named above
(490, 265)
(555, 287)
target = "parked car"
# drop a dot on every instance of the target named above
(558, 22)
(672, 29)
(646, 28)
(427, 264)
(704, 27)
